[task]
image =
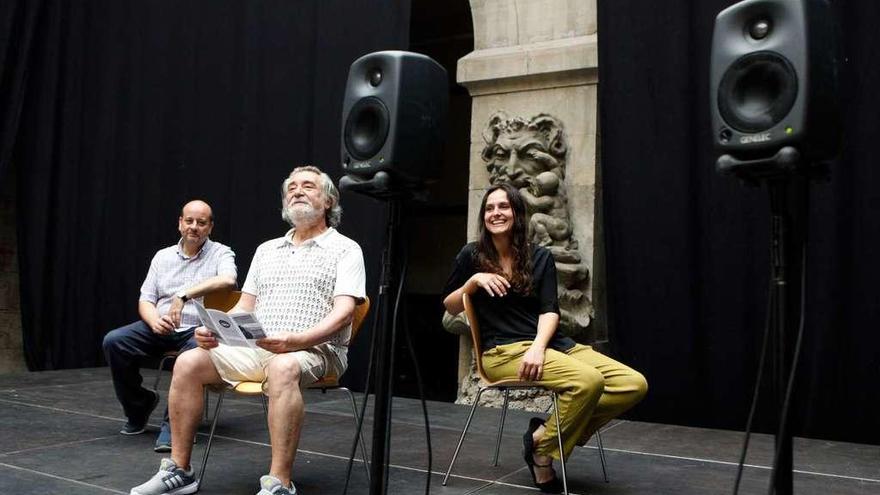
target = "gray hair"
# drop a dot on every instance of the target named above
(333, 214)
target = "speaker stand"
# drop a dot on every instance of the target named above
(383, 356)
(382, 187)
(787, 180)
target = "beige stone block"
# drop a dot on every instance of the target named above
(543, 20)
(12, 361)
(492, 63)
(581, 207)
(475, 197)
(494, 23)
(9, 293)
(500, 23)
(574, 106)
(562, 55)
(557, 63)
(8, 259)
(11, 351)
(479, 176)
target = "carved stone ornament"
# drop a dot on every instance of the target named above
(530, 154)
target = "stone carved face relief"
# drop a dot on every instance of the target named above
(518, 150)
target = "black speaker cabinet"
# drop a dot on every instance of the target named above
(773, 78)
(393, 116)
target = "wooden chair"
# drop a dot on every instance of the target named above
(505, 386)
(222, 300)
(328, 382)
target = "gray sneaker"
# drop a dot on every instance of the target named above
(270, 485)
(170, 480)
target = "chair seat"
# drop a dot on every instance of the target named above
(328, 381)
(256, 388)
(249, 388)
(510, 384)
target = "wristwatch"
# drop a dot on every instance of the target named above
(182, 295)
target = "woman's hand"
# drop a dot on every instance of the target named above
(532, 366)
(205, 338)
(494, 284)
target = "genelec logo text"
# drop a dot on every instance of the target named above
(755, 138)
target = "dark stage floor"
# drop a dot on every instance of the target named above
(58, 434)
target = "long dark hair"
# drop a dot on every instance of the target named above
(486, 257)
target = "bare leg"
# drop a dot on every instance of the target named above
(286, 412)
(192, 371)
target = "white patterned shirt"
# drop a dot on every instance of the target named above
(294, 286)
(172, 271)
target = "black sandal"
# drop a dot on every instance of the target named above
(552, 486)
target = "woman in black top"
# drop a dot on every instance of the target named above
(512, 284)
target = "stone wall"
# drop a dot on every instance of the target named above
(11, 354)
(533, 58)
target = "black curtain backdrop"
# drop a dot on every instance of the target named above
(687, 250)
(115, 113)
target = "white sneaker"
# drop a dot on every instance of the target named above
(270, 485)
(169, 480)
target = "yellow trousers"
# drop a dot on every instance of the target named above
(593, 389)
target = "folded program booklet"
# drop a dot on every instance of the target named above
(238, 329)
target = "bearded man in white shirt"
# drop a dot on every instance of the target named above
(303, 287)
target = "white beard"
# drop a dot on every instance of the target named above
(303, 214)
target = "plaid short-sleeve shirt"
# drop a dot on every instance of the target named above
(172, 271)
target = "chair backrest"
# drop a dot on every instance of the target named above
(357, 318)
(223, 300)
(474, 324)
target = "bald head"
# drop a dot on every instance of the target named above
(195, 225)
(197, 206)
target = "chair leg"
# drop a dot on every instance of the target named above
(159, 372)
(211, 437)
(467, 425)
(207, 403)
(501, 425)
(601, 454)
(559, 438)
(354, 409)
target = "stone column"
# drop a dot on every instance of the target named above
(11, 351)
(534, 69)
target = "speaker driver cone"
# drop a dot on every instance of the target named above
(366, 128)
(757, 91)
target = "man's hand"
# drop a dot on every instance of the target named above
(279, 344)
(494, 284)
(532, 366)
(162, 325)
(205, 338)
(175, 310)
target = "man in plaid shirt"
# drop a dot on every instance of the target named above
(187, 270)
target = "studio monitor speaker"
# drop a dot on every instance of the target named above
(393, 116)
(773, 78)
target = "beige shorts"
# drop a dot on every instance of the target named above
(239, 364)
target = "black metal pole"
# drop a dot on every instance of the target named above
(779, 241)
(384, 352)
(789, 209)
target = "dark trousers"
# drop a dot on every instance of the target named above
(127, 349)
